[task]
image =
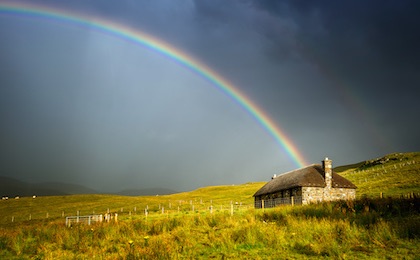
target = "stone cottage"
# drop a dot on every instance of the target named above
(314, 183)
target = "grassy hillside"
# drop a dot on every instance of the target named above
(220, 222)
(219, 197)
(394, 175)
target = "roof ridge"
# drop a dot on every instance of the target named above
(299, 169)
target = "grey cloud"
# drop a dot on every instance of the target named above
(339, 78)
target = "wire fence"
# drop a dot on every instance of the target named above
(112, 214)
(83, 219)
(153, 210)
(271, 203)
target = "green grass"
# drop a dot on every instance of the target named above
(393, 175)
(219, 197)
(364, 229)
(368, 228)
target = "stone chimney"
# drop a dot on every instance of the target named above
(327, 166)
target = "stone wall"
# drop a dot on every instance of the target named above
(317, 194)
(306, 195)
(312, 194)
(342, 194)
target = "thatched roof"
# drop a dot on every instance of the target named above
(310, 176)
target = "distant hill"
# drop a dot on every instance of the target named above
(12, 187)
(67, 188)
(393, 174)
(343, 168)
(146, 192)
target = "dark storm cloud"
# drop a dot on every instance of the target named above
(339, 77)
(351, 35)
(368, 48)
(364, 54)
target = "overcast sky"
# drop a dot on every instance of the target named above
(340, 78)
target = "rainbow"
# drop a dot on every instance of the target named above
(163, 48)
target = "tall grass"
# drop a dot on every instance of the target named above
(362, 229)
(367, 228)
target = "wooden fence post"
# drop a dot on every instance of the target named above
(293, 201)
(231, 209)
(262, 204)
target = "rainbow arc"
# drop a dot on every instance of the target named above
(163, 48)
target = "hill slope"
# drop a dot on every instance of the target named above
(219, 197)
(146, 192)
(13, 187)
(394, 174)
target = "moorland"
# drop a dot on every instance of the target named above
(220, 222)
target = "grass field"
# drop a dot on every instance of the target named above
(220, 222)
(365, 229)
(393, 175)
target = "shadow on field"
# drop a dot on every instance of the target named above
(403, 214)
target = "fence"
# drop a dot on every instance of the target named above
(162, 208)
(83, 219)
(271, 203)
